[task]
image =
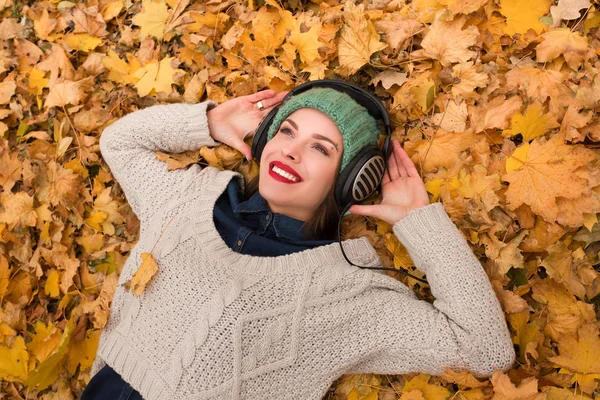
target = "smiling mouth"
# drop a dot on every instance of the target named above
(279, 173)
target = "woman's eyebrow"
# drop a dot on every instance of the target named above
(315, 135)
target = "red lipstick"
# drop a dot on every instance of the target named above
(285, 168)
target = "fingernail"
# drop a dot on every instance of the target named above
(347, 213)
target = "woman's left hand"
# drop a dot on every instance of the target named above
(402, 189)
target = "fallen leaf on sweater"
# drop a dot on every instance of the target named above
(144, 274)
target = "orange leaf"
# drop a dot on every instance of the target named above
(144, 274)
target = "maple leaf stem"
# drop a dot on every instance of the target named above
(78, 143)
(582, 18)
(163, 231)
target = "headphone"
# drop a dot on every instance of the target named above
(363, 174)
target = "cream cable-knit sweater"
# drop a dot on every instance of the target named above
(216, 324)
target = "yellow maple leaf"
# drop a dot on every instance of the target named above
(306, 43)
(563, 42)
(428, 390)
(495, 113)
(14, 360)
(572, 211)
(477, 183)
(358, 40)
(572, 121)
(533, 124)
(566, 313)
(105, 213)
(112, 9)
(424, 94)
(153, 19)
(548, 172)
(119, 70)
(7, 90)
(11, 169)
(463, 378)
(469, 77)
(51, 286)
(581, 356)
(45, 341)
(448, 42)
(83, 352)
(144, 274)
(442, 151)
(269, 28)
(44, 25)
(559, 265)
(537, 83)
(504, 389)
(398, 29)
(37, 82)
(5, 271)
(520, 19)
(96, 219)
(453, 118)
(156, 77)
(46, 373)
(82, 41)
(18, 210)
(67, 92)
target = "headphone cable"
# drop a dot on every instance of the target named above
(360, 266)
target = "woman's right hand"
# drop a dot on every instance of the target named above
(235, 119)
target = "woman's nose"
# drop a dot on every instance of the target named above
(291, 151)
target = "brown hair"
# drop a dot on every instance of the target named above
(323, 224)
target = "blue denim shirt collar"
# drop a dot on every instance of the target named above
(283, 226)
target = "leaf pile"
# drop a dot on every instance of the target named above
(496, 101)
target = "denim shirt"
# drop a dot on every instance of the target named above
(249, 227)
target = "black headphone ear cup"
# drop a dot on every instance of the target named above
(259, 141)
(361, 177)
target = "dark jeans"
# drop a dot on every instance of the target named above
(108, 385)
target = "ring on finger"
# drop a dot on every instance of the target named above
(260, 105)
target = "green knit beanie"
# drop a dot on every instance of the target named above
(358, 127)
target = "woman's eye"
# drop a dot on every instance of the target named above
(286, 131)
(321, 149)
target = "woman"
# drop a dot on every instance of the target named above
(250, 304)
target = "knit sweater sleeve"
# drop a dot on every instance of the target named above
(128, 146)
(463, 329)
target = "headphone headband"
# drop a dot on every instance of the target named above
(372, 104)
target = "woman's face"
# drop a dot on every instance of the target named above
(307, 150)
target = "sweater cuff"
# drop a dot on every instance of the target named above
(425, 225)
(198, 124)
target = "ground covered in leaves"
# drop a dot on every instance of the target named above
(496, 101)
